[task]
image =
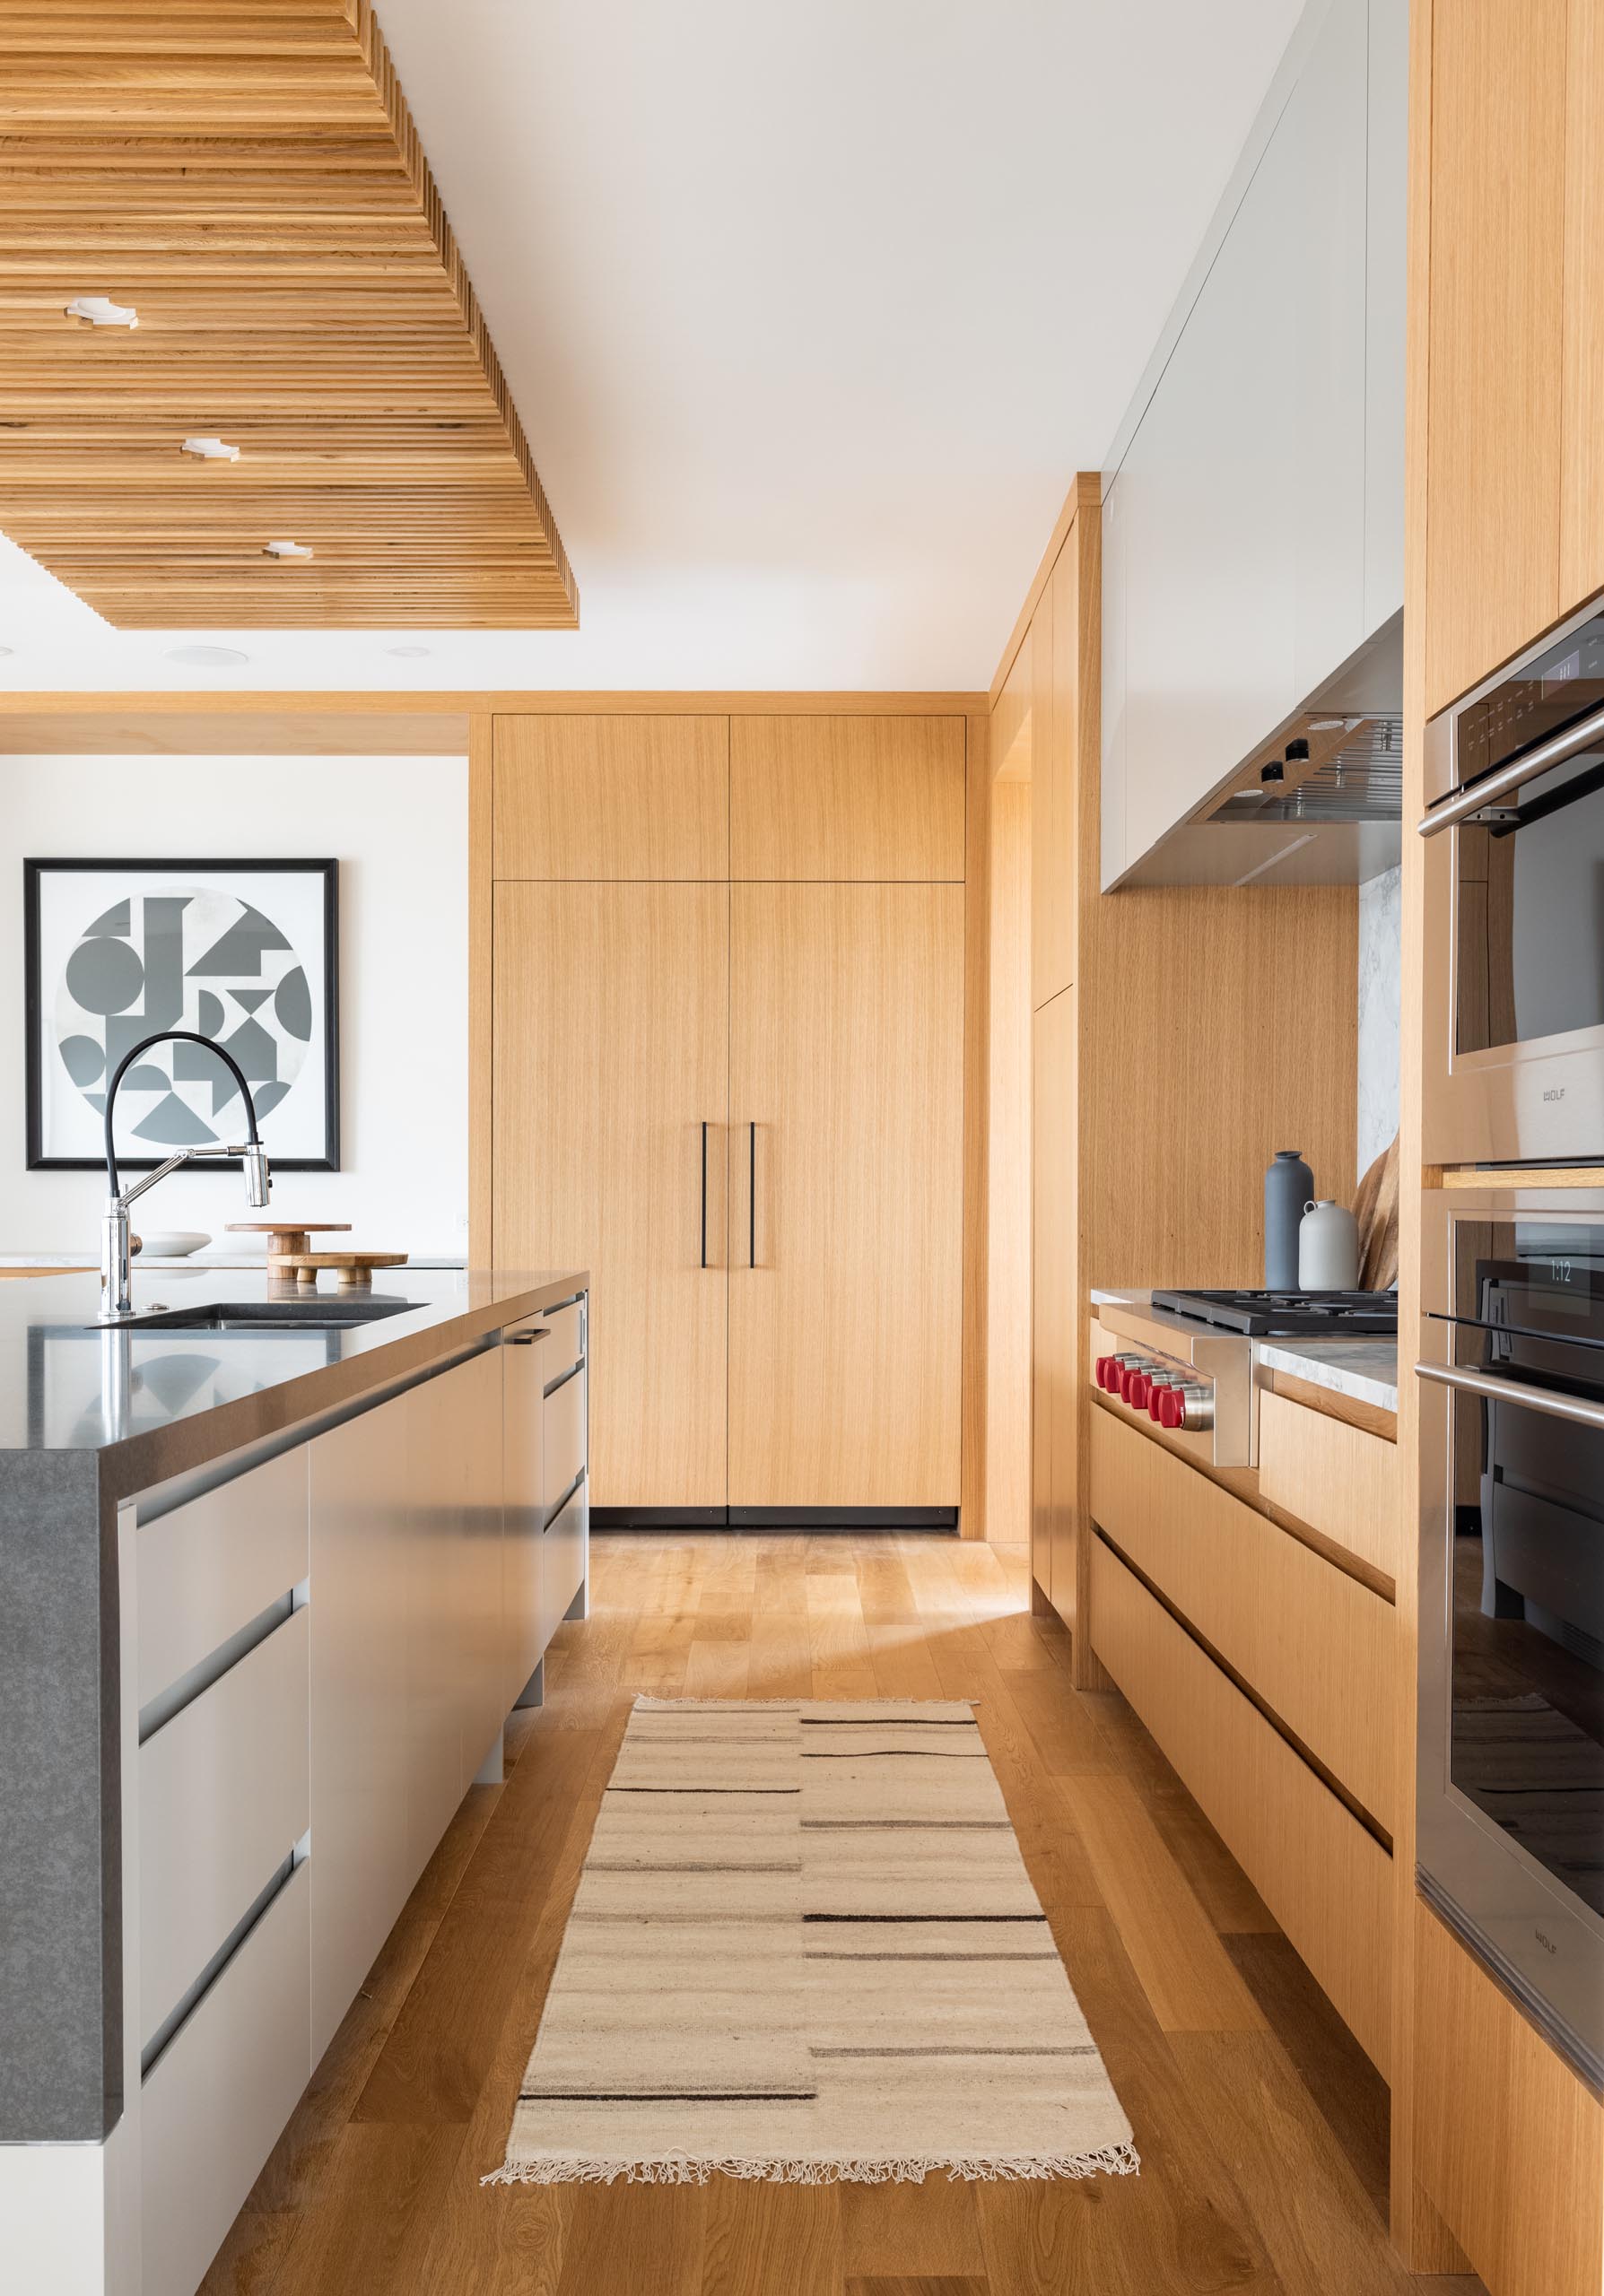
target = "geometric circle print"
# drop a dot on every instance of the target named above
(186, 958)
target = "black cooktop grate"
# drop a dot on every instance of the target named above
(1289, 1315)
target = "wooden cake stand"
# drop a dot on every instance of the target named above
(286, 1236)
(355, 1268)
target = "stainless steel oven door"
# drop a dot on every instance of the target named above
(1509, 1840)
(1514, 930)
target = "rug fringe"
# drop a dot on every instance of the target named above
(1112, 2160)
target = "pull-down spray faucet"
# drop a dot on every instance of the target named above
(117, 1304)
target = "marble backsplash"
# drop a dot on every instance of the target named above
(1380, 993)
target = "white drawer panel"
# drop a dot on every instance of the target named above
(566, 1345)
(223, 1799)
(564, 1437)
(210, 1566)
(564, 1557)
(214, 2101)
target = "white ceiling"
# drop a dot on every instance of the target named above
(811, 313)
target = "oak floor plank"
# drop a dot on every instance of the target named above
(623, 2239)
(932, 2228)
(1187, 1974)
(922, 2285)
(750, 2228)
(368, 2235)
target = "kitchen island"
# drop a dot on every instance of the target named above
(273, 1571)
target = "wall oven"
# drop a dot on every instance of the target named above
(1510, 1810)
(1514, 910)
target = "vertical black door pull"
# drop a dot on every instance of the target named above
(704, 1194)
(752, 1196)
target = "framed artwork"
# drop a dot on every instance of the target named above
(245, 952)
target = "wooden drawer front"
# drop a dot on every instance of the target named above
(564, 1438)
(1313, 1643)
(210, 1566)
(223, 1799)
(1328, 1882)
(566, 1345)
(214, 2101)
(1340, 1481)
(564, 1559)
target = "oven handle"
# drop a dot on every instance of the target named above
(1513, 1391)
(1571, 743)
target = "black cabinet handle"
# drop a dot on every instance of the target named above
(752, 1196)
(704, 1194)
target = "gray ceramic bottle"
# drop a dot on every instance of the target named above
(1288, 1187)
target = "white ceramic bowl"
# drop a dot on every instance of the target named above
(175, 1243)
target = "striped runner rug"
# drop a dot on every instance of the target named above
(805, 1947)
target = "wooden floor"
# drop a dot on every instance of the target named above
(1261, 2127)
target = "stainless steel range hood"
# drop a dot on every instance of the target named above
(1317, 802)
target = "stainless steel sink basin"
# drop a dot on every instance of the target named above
(267, 1315)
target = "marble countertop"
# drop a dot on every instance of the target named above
(1363, 1370)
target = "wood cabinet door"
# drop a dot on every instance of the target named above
(847, 799)
(612, 1038)
(1496, 323)
(612, 796)
(1582, 502)
(846, 1106)
(1054, 1296)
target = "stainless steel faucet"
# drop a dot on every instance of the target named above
(117, 1303)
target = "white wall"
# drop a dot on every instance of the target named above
(398, 829)
(1381, 991)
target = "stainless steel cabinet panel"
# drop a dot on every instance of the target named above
(223, 1799)
(209, 1567)
(566, 1345)
(212, 2104)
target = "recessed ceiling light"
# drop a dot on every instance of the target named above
(207, 657)
(211, 450)
(286, 549)
(99, 311)
(408, 653)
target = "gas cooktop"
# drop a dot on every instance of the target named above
(1289, 1315)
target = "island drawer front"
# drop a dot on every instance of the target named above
(564, 1557)
(212, 1565)
(566, 1345)
(1338, 1478)
(224, 1797)
(565, 1432)
(1327, 1881)
(1315, 1645)
(213, 2103)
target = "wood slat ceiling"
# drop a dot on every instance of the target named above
(248, 178)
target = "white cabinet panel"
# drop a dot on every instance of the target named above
(565, 1442)
(209, 1567)
(524, 1353)
(222, 1802)
(408, 1682)
(214, 2101)
(565, 1557)
(1252, 531)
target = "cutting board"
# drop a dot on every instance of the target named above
(1375, 1208)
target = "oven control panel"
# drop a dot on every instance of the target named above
(1173, 1395)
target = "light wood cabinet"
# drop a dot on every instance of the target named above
(612, 1052)
(812, 985)
(1054, 1396)
(1338, 1479)
(844, 1247)
(847, 799)
(1496, 328)
(1581, 441)
(1327, 1881)
(1316, 1646)
(631, 796)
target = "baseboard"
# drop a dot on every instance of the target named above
(774, 1518)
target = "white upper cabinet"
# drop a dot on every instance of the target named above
(1254, 524)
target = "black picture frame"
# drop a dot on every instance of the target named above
(33, 873)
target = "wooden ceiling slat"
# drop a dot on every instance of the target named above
(250, 178)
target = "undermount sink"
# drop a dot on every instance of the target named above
(267, 1315)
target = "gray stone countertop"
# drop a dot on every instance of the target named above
(1363, 1370)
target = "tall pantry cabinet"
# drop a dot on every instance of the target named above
(726, 1077)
